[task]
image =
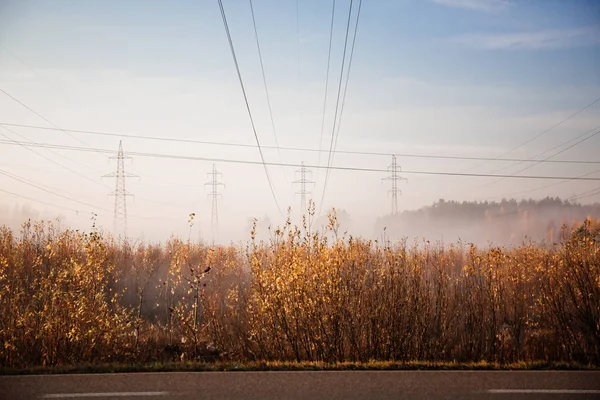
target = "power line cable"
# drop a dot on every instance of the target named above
(584, 195)
(45, 189)
(42, 117)
(262, 68)
(302, 149)
(67, 168)
(336, 107)
(293, 165)
(347, 79)
(48, 158)
(38, 201)
(326, 82)
(239, 74)
(546, 159)
(54, 192)
(545, 131)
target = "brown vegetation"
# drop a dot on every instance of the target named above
(69, 297)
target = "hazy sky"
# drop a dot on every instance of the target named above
(440, 77)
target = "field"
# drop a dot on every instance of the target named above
(69, 298)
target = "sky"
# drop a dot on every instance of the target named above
(466, 78)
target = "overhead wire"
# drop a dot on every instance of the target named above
(326, 82)
(584, 195)
(24, 145)
(55, 127)
(38, 201)
(294, 165)
(301, 149)
(54, 191)
(48, 158)
(336, 108)
(556, 183)
(262, 68)
(542, 133)
(239, 74)
(337, 134)
(537, 162)
(51, 191)
(41, 116)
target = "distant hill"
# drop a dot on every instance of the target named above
(505, 222)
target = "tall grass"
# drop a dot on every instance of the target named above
(68, 297)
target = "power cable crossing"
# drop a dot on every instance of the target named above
(48, 158)
(262, 68)
(340, 168)
(537, 162)
(326, 82)
(336, 106)
(307, 149)
(42, 117)
(239, 74)
(337, 134)
(545, 131)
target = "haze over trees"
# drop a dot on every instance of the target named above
(500, 223)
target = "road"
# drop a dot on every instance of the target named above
(497, 385)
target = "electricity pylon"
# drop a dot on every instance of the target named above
(303, 171)
(214, 184)
(394, 169)
(120, 194)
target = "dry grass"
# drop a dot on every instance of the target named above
(303, 299)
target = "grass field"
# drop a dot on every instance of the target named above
(75, 301)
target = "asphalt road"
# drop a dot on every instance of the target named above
(497, 385)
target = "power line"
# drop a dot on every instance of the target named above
(48, 158)
(38, 201)
(300, 117)
(326, 82)
(304, 149)
(546, 159)
(64, 166)
(545, 131)
(337, 134)
(41, 116)
(262, 68)
(50, 191)
(239, 74)
(557, 183)
(340, 168)
(337, 103)
(583, 195)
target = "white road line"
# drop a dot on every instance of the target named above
(546, 391)
(108, 394)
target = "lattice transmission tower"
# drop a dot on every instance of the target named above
(394, 177)
(214, 193)
(303, 192)
(120, 194)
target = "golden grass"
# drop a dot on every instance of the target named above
(308, 299)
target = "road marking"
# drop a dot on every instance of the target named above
(546, 391)
(108, 394)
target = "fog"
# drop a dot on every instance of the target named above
(515, 82)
